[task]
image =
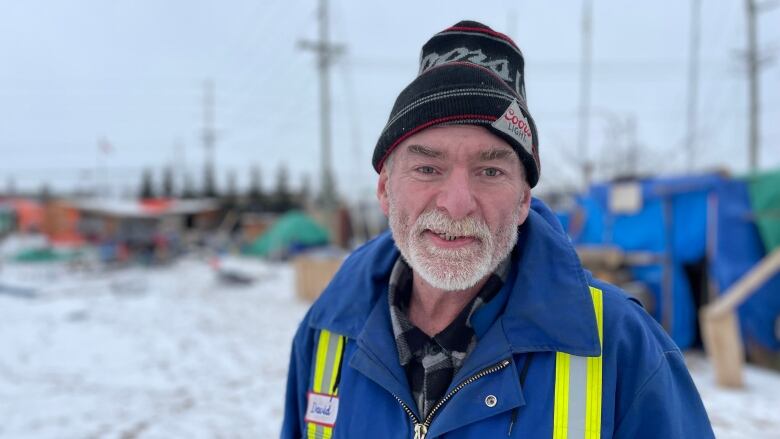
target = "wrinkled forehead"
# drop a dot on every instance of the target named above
(463, 142)
(484, 153)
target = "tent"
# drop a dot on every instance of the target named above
(29, 215)
(43, 255)
(291, 233)
(764, 191)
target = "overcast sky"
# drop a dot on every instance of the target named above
(132, 72)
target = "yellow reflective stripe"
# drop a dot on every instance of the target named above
(561, 404)
(316, 431)
(319, 364)
(594, 390)
(311, 431)
(598, 307)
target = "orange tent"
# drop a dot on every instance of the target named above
(29, 215)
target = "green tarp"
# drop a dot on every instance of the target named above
(42, 255)
(6, 221)
(292, 231)
(764, 191)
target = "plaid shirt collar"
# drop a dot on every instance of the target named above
(458, 338)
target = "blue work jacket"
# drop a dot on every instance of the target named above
(546, 307)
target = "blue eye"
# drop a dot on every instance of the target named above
(426, 170)
(492, 172)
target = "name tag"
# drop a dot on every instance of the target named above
(322, 409)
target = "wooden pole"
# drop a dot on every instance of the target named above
(720, 324)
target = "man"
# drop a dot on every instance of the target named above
(474, 318)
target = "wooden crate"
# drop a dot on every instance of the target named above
(312, 274)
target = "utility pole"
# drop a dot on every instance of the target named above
(326, 54)
(632, 153)
(179, 162)
(102, 183)
(693, 83)
(584, 110)
(755, 61)
(209, 139)
(752, 61)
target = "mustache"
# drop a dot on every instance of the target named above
(439, 222)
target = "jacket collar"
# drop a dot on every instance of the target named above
(549, 306)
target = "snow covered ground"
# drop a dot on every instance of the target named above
(173, 353)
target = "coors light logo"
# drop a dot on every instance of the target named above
(516, 125)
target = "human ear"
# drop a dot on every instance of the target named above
(381, 191)
(525, 204)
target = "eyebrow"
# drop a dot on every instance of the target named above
(425, 151)
(495, 154)
(484, 156)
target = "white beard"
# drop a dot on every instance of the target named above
(452, 269)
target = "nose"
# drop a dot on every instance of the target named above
(456, 196)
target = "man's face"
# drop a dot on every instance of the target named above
(454, 196)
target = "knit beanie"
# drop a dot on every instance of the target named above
(469, 75)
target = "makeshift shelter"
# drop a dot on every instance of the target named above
(151, 229)
(664, 218)
(703, 233)
(29, 215)
(748, 210)
(290, 234)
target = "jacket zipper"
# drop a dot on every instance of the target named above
(421, 428)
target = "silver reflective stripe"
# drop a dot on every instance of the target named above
(578, 379)
(327, 376)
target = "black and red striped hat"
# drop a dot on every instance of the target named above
(469, 75)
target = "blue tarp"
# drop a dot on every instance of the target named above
(672, 224)
(738, 249)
